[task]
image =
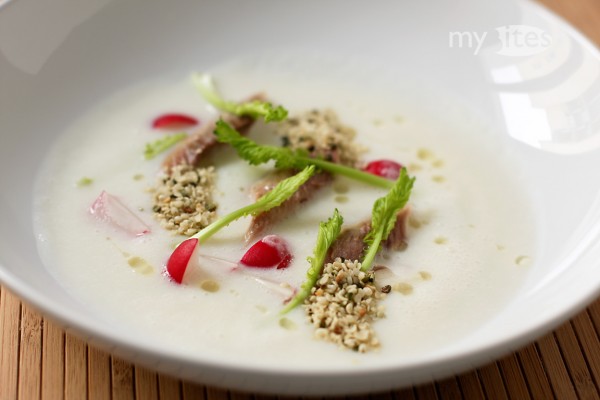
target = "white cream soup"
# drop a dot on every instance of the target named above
(467, 254)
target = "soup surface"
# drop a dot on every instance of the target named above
(470, 234)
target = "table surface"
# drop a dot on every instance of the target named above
(39, 360)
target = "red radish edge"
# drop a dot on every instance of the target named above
(270, 251)
(285, 262)
(384, 168)
(173, 121)
(180, 258)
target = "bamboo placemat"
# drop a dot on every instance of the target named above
(39, 360)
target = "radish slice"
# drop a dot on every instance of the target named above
(180, 258)
(174, 121)
(108, 208)
(384, 168)
(270, 251)
(282, 289)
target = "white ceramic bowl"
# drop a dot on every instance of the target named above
(540, 88)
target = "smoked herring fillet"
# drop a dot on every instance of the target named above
(350, 244)
(191, 150)
(263, 221)
(320, 135)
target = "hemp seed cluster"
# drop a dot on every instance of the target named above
(183, 200)
(343, 305)
(322, 135)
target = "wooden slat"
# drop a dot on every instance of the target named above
(169, 387)
(515, 383)
(404, 394)
(575, 362)
(99, 374)
(492, 382)
(594, 313)
(75, 368)
(193, 391)
(216, 394)
(470, 386)
(426, 392)
(235, 395)
(537, 381)
(448, 389)
(590, 344)
(53, 362)
(10, 318)
(30, 356)
(122, 379)
(555, 368)
(146, 384)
